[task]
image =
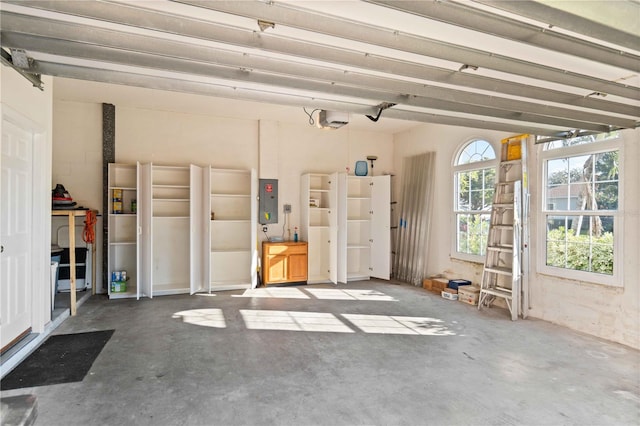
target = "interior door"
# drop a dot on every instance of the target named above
(15, 232)
(381, 227)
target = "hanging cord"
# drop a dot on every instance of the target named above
(310, 114)
(89, 233)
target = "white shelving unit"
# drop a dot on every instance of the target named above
(365, 218)
(231, 228)
(122, 227)
(319, 225)
(170, 230)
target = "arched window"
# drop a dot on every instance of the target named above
(474, 173)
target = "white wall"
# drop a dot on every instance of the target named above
(35, 107)
(77, 164)
(276, 150)
(445, 141)
(604, 311)
(303, 149)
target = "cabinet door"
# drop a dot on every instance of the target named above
(276, 268)
(333, 228)
(297, 267)
(254, 229)
(144, 239)
(197, 228)
(342, 228)
(380, 227)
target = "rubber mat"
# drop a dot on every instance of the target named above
(62, 358)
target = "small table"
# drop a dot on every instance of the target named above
(71, 214)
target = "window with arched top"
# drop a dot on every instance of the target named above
(474, 172)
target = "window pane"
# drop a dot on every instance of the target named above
(557, 172)
(472, 233)
(582, 243)
(580, 168)
(477, 150)
(607, 196)
(607, 166)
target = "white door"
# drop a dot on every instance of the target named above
(381, 227)
(15, 232)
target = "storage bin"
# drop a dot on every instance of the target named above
(454, 284)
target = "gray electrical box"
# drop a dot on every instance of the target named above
(268, 204)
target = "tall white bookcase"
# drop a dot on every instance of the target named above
(319, 225)
(170, 229)
(122, 225)
(230, 218)
(347, 222)
(195, 229)
(364, 227)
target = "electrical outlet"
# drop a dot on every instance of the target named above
(264, 228)
(287, 208)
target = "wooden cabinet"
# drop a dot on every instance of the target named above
(284, 262)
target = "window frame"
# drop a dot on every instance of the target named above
(545, 155)
(467, 167)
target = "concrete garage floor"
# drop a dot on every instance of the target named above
(367, 353)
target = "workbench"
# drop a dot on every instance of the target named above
(72, 214)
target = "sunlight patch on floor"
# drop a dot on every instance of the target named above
(349, 294)
(277, 292)
(293, 321)
(391, 324)
(203, 317)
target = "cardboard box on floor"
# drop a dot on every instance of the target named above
(469, 294)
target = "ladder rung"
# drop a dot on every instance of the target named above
(507, 182)
(503, 206)
(501, 249)
(496, 292)
(498, 270)
(502, 225)
(510, 162)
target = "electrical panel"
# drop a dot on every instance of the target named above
(268, 201)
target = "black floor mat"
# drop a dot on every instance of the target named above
(63, 358)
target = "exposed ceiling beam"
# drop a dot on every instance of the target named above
(297, 18)
(143, 18)
(475, 19)
(578, 24)
(172, 84)
(127, 15)
(188, 58)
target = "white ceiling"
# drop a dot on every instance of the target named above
(544, 67)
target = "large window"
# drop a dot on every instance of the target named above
(580, 208)
(474, 180)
